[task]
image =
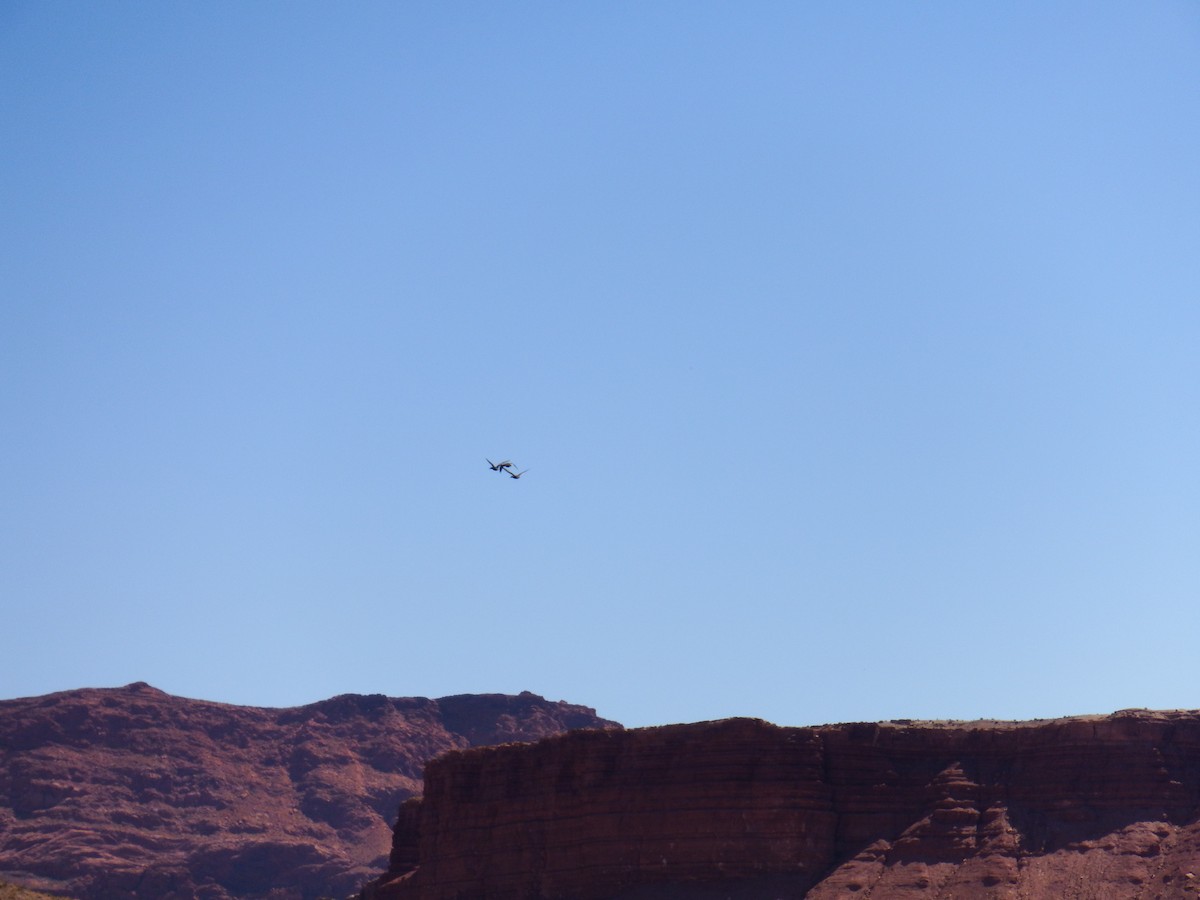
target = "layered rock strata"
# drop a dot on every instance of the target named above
(1089, 807)
(133, 793)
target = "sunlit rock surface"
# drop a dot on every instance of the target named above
(133, 793)
(1087, 807)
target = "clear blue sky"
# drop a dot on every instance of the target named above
(853, 350)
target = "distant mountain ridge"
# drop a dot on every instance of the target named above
(133, 793)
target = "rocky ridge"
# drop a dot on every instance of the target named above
(134, 793)
(1103, 807)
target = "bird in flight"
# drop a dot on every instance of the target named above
(500, 466)
(517, 474)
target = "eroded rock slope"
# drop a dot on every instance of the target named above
(1098, 807)
(133, 793)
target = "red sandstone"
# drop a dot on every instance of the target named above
(133, 793)
(1101, 807)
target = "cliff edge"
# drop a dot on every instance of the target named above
(1085, 807)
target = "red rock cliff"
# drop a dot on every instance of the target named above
(1089, 807)
(131, 792)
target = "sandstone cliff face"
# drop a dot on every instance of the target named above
(131, 792)
(1089, 807)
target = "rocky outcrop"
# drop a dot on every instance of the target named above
(133, 793)
(1089, 807)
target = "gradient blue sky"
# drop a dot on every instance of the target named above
(853, 349)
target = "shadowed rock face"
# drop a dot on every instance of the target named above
(1089, 807)
(131, 792)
